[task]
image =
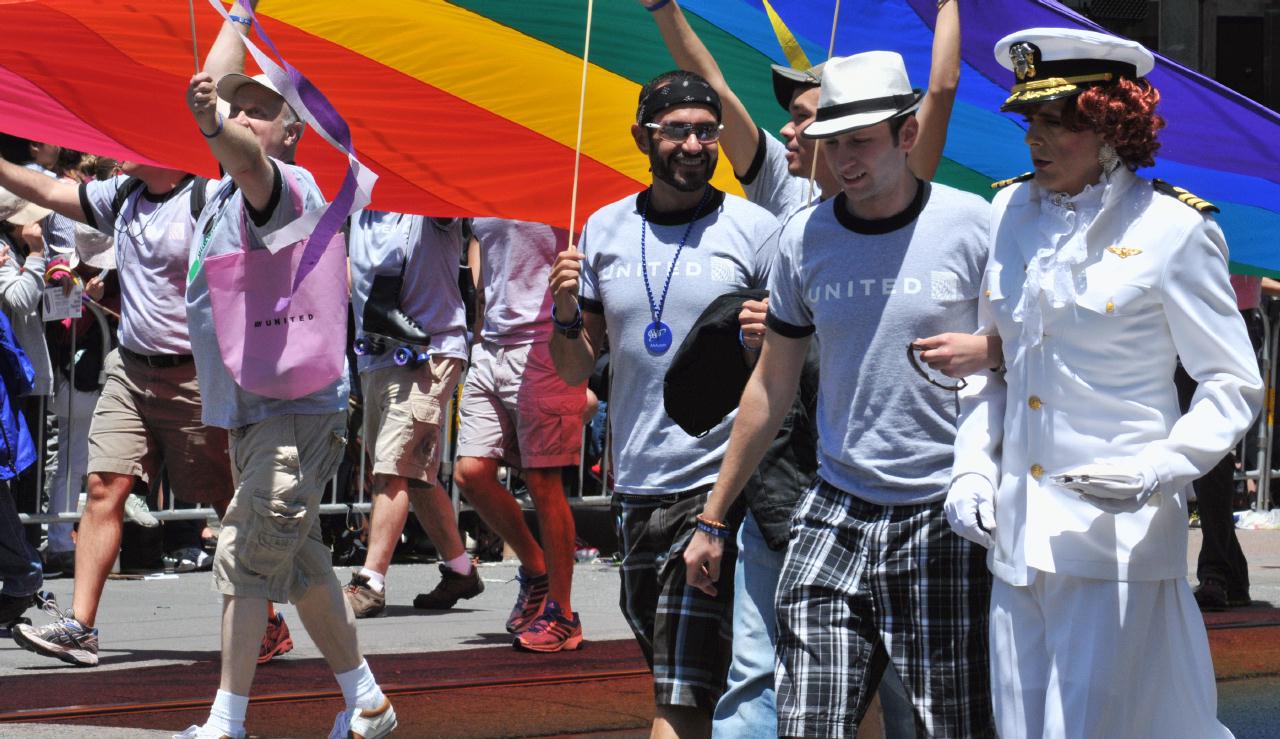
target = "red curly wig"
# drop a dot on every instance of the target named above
(1124, 115)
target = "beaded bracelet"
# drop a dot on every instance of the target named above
(718, 529)
(742, 339)
(656, 6)
(714, 531)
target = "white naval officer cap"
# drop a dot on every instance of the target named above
(1053, 63)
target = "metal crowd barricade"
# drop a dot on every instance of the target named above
(1263, 472)
(1266, 432)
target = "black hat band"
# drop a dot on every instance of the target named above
(874, 105)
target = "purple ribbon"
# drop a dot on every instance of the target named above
(327, 118)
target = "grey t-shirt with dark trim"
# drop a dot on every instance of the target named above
(654, 456)
(868, 289)
(768, 182)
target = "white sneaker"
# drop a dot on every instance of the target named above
(364, 724)
(205, 732)
(137, 510)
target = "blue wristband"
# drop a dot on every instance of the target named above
(575, 323)
(657, 6)
(742, 339)
(242, 20)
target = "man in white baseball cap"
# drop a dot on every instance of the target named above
(890, 258)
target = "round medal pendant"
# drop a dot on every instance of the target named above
(657, 337)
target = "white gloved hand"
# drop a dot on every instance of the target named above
(970, 508)
(1112, 487)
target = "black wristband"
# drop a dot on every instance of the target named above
(216, 131)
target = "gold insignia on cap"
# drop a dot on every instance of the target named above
(1124, 252)
(1024, 59)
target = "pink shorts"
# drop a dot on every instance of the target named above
(516, 408)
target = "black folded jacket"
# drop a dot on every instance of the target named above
(708, 372)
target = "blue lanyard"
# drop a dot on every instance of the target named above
(656, 310)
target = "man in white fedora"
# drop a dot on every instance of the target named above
(873, 573)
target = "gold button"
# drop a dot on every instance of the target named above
(1037, 471)
(1111, 307)
(1034, 402)
(988, 293)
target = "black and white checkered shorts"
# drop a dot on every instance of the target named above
(684, 633)
(864, 583)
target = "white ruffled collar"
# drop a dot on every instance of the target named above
(1052, 273)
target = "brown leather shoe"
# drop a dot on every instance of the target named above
(365, 601)
(451, 588)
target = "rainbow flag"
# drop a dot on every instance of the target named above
(469, 107)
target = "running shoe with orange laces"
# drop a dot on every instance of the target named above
(276, 641)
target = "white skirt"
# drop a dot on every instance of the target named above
(1075, 657)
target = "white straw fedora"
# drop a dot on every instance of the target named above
(862, 90)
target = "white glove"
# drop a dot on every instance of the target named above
(970, 508)
(1111, 487)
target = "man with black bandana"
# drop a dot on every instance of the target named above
(648, 266)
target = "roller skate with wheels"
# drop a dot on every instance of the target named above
(387, 328)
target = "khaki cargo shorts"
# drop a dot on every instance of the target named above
(270, 546)
(515, 407)
(403, 413)
(148, 418)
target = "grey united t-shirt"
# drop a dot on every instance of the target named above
(428, 250)
(515, 267)
(869, 288)
(653, 455)
(153, 236)
(226, 404)
(769, 183)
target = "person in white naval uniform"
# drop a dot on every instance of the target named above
(1098, 280)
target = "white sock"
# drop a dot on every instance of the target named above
(377, 580)
(359, 689)
(227, 714)
(460, 564)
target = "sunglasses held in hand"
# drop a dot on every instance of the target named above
(953, 387)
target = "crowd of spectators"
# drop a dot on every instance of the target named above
(931, 540)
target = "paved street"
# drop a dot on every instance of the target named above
(160, 640)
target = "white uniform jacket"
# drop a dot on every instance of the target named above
(1099, 385)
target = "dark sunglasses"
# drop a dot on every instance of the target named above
(678, 133)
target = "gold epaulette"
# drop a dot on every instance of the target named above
(1200, 204)
(1011, 180)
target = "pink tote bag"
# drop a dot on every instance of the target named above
(275, 341)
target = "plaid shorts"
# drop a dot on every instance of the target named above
(865, 583)
(685, 634)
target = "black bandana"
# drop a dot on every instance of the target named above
(678, 92)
